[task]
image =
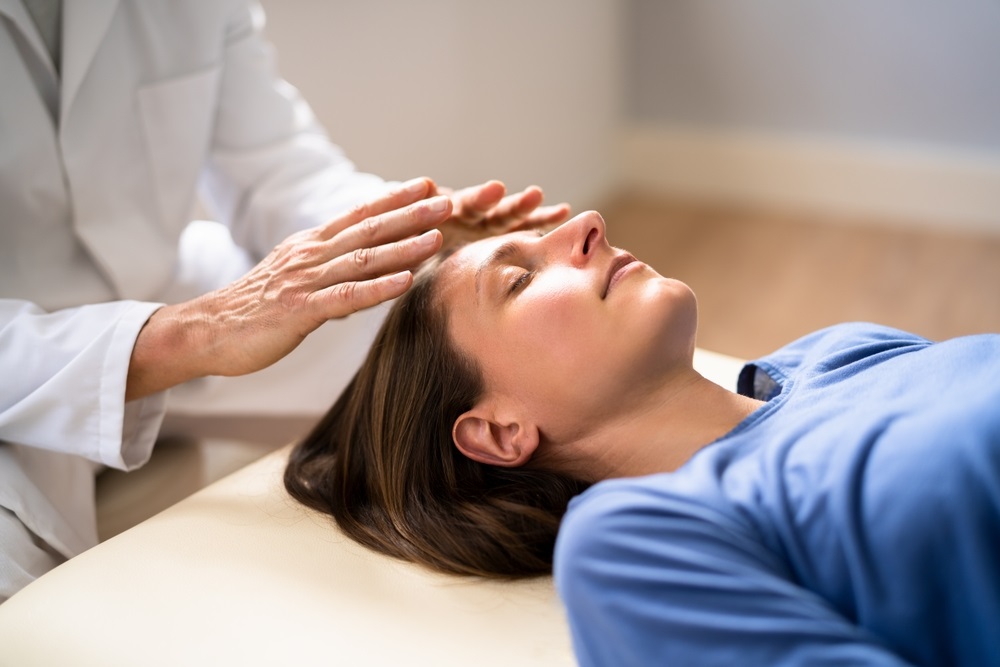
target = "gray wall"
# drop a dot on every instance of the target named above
(911, 71)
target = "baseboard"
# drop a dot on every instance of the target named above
(907, 185)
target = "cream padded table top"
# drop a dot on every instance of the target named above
(239, 574)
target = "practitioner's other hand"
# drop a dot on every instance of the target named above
(356, 261)
(483, 210)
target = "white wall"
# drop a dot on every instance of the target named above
(463, 90)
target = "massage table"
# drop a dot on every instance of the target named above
(237, 573)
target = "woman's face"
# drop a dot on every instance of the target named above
(566, 329)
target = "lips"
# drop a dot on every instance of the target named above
(619, 263)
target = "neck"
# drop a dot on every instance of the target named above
(662, 431)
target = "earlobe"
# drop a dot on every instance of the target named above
(485, 440)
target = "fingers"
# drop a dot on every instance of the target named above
(485, 205)
(370, 262)
(407, 193)
(516, 207)
(545, 216)
(369, 276)
(342, 299)
(391, 226)
(471, 205)
(363, 257)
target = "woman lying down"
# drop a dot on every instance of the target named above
(530, 405)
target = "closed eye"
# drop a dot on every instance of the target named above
(522, 280)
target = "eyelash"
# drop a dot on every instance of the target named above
(525, 277)
(521, 281)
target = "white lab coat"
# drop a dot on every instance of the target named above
(99, 171)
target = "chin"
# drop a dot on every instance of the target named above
(671, 308)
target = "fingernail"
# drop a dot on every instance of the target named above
(427, 239)
(436, 204)
(399, 278)
(415, 187)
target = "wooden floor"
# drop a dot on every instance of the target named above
(764, 278)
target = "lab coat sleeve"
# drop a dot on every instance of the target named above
(63, 381)
(646, 584)
(271, 168)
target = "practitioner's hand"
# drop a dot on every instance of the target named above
(483, 210)
(358, 260)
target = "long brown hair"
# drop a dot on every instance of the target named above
(382, 462)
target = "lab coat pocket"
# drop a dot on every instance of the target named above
(177, 119)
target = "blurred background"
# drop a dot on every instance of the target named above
(797, 162)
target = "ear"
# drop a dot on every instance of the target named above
(482, 437)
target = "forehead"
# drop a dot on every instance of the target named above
(457, 276)
(477, 251)
(461, 268)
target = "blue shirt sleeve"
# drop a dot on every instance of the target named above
(649, 580)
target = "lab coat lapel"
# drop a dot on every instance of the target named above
(14, 11)
(85, 23)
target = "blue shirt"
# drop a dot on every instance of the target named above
(852, 519)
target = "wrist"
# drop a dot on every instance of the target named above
(171, 348)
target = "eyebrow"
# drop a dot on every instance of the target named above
(505, 251)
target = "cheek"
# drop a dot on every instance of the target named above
(554, 335)
(556, 315)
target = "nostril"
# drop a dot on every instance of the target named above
(591, 238)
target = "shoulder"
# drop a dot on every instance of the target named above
(945, 453)
(620, 525)
(623, 506)
(843, 344)
(839, 346)
(604, 514)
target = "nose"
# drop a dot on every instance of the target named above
(583, 234)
